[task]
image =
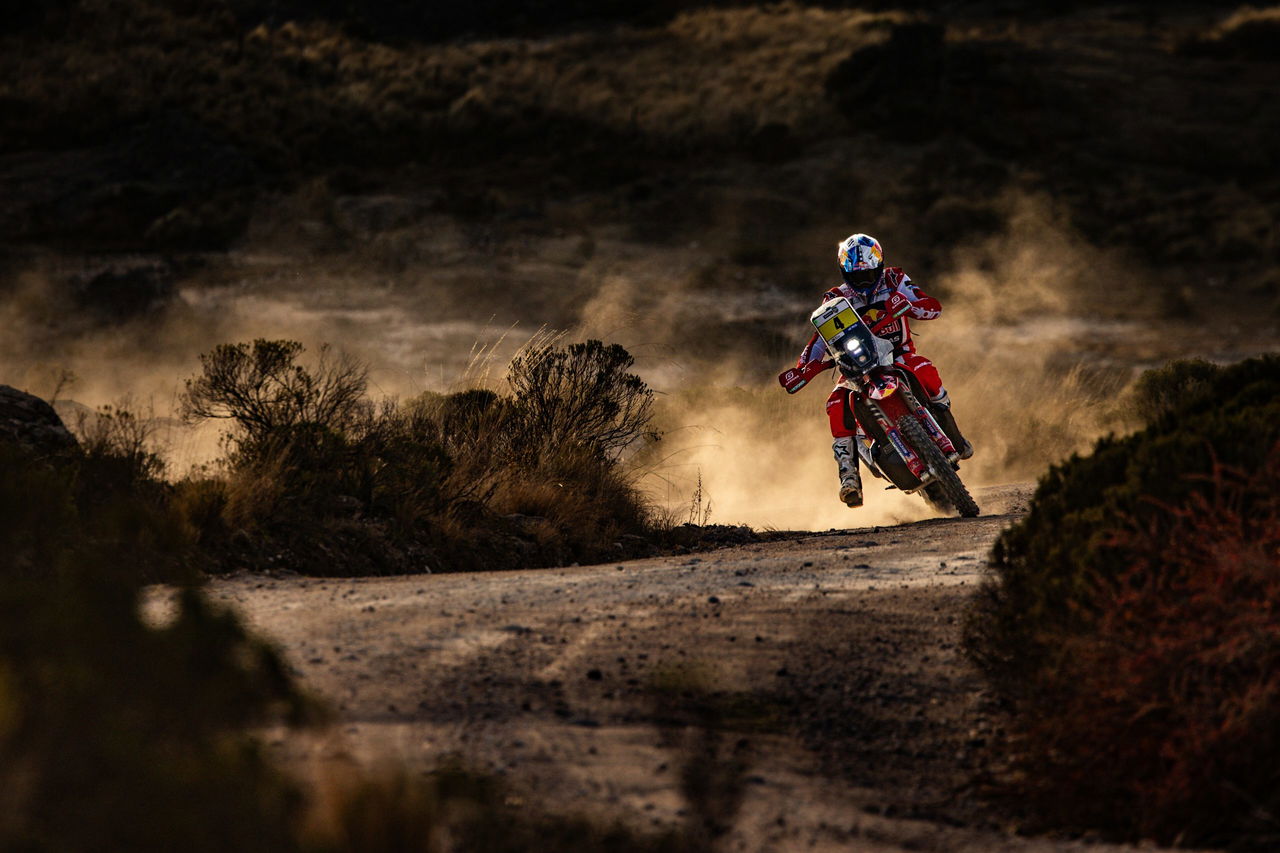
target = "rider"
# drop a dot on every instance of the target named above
(869, 285)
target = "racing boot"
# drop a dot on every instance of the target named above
(946, 420)
(850, 480)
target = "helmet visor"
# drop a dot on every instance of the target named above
(860, 278)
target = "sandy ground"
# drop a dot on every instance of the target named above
(828, 663)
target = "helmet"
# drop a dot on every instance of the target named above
(861, 259)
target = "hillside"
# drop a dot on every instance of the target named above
(132, 125)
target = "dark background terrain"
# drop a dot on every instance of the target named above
(136, 126)
(1092, 188)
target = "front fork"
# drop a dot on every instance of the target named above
(888, 409)
(935, 432)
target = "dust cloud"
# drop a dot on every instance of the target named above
(1031, 346)
(752, 461)
(1032, 367)
(82, 358)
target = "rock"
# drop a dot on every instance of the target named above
(31, 424)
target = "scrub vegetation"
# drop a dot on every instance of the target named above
(320, 478)
(1131, 623)
(115, 733)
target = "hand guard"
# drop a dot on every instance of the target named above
(798, 377)
(897, 305)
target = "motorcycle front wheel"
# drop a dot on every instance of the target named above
(946, 485)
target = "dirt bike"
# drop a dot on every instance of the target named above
(899, 439)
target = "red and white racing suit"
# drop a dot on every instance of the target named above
(871, 307)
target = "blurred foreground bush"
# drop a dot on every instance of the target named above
(117, 733)
(1132, 622)
(321, 479)
(132, 727)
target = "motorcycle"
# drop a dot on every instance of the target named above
(899, 438)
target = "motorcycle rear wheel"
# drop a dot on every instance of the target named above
(946, 482)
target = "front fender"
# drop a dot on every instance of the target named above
(891, 398)
(880, 388)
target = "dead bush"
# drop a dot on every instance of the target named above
(118, 437)
(272, 399)
(581, 395)
(321, 479)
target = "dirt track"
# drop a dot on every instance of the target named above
(829, 661)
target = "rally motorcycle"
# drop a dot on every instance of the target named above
(899, 438)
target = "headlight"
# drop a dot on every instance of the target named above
(853, 346)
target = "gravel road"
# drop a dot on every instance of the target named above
(821, 672)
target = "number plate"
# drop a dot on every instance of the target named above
(834, 317)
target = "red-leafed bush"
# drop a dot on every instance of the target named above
(1164, 720)
(1131, 622)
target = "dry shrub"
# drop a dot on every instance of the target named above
(120, 437)
(317, 477)
(582, 395)
(580, 508)
(1039, 592)
(554, 452)
(320, 479)
(103, 501)
(272, 398)
(202, 504)
(1165, 721)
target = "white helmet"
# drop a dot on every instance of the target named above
(861, 259)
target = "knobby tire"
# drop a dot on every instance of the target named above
(944, 476)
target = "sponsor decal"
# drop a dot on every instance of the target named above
(928, 422)
(901, 446)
